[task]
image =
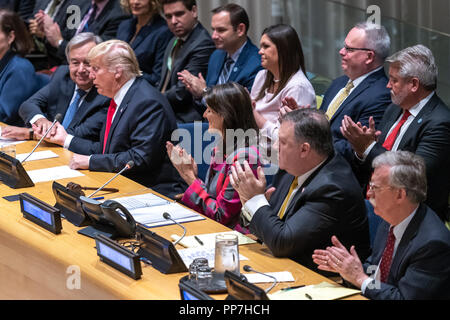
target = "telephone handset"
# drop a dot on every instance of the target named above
(110, 215)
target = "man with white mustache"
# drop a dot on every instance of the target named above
(418, 121)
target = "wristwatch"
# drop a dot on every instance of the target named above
(31, 134)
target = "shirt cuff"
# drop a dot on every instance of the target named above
(365, 284)
(253, 205)
(67, 141)
(366, 153)
(36, 118)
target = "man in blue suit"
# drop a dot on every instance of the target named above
(361, 92)
(138, 123)
(235, 59)
(411, 252)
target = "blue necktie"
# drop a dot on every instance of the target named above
(72, 108)
(226, 71)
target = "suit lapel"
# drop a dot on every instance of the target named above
(220, 63)
(406, 241)
(411, 132)
(67, 87)
(393, 117)
(240, 63)
(120, 111)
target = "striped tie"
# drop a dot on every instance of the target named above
(338, 101)
(226, 71)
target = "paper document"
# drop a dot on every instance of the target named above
(321, 291)
(284, 276)
(141, 201)
(209, 239)
(188, 255)
(51, 174)
(153, 216)
(40, 155)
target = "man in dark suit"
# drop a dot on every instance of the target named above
(138, 123)
(417, 121)
(313, 196)
(411, 252)
(236, 58)
(189, 49)
(361, 92)
(101, 17)
(70, 93)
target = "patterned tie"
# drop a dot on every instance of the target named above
(73, 108)
(288, 196)
(386, 259)
(226, 71)
(109, 117)
(338, 101)
(88, 19)
(390, 140)
(170, 60)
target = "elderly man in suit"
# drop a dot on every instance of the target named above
(235, 59)
(314, 195)
(138, 123)
(70, 93)
(361, 92)
(417, 121)
(411, 253)
(189, 49)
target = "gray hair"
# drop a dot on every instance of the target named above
(417, 61)
(377, 39)
(312, 126)
(80, 39)
(407, 171)
(117, 53)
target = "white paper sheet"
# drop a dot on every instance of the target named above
(284, 276)
(209, 239)
(51, 174)
(40, 155)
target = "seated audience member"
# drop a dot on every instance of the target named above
(189, 49)
(138, 123)
(24, 8)
(360, 93)
(235, 59)
(70, 93)
(18, 80)
(148, 35)
(283, 76)
(417, 121)
(229, 113)
(411, 253)
(101, 17)
(313, 196)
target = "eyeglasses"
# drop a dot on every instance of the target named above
(350, 49)
(374, 188)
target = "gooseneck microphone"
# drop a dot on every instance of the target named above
(247, 268)
(129, 165)
(168, 217)
(58, 118)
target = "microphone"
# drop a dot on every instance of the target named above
(58, 118)
(129, 165)
(247, 268)
(168, 217)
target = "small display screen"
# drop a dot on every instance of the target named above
(115, 256)
(37, 212)
(189, 296)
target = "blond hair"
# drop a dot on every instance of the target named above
(117, 54)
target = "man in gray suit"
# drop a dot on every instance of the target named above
(189, 49)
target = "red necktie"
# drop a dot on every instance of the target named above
(111, 111)
(386, 259)
(390, 140)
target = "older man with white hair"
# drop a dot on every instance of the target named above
(411, 253)
(418, 121)
(138, 123)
